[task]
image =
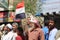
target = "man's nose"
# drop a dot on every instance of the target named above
(50, 23)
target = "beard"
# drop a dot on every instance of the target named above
(51, 27)
(5, 32)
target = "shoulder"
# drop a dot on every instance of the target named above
(18, 38)
(10, 31)
(45, 28)
(40, 30)
(55, 30)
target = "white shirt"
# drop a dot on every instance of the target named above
(10, 36)
(52, 34)
(4, 37)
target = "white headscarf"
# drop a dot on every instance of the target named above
(9, 26)
(33, 19)
(1, 27)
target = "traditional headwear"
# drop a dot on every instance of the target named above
(33, 19)
(1, 27)
(9, 26)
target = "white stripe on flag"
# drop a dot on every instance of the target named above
(20, 10)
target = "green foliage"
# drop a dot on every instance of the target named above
(15, 3)
(30, 6)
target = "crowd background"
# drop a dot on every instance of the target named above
(21, 30)
(32, 27)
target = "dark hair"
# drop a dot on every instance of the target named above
(21, 32)
(46, 22)
(20, 29)
(52, 19)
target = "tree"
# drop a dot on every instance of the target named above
(30, 6)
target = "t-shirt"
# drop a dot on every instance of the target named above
(18, 38)
(11, 36)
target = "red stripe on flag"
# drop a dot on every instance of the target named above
(20, 5)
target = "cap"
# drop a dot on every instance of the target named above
(9, 26)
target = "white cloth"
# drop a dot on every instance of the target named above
(10, 36)
(9, 26)
(4, 36)
(52, 34)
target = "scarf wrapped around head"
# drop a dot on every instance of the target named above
(35, 21)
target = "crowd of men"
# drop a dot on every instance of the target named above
(35, 31)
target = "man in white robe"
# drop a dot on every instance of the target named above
(12, 35)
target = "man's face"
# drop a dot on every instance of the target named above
(5, 28)
(14, 27)
(51, 24)
(28, 20)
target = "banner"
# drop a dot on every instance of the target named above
(1, 20)
(11, 16)
(5, 16)
(50, 6)
(1, 14)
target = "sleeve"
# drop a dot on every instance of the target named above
(18, 38)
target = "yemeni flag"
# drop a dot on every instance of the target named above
(20, 10)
